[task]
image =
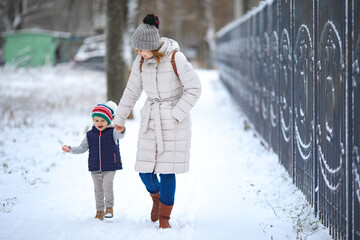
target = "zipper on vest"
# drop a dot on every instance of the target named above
(100, 150)
(114, 158)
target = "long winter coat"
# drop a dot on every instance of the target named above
(165, 127)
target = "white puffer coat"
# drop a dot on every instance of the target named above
(165, 127)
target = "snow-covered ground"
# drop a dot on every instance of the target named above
(236, 189)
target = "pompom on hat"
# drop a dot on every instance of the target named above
(146, 36)
(103, 111)
(113, 106)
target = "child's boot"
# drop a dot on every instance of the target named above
(109, 212)
(155, 207)
(100, 215)
(164, 215)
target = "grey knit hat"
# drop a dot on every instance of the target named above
(146, 36)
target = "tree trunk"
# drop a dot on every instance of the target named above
(134, 18)
(202, 27)
(116, 67)
(210, 33)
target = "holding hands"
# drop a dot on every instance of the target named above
(119, 128)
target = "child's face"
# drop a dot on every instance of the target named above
(100, 123)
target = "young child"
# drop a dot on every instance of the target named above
(102, 141)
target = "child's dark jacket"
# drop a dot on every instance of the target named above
(104, 153)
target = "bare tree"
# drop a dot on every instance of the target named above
(210, 32)
(133, 21)
(178, 22)
(12, 12)
(116, 67)
(201, 29)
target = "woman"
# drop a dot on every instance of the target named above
(165, 126)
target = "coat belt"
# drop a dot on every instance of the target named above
(158, 131)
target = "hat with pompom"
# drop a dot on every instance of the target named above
(146, 36)
(103, 111)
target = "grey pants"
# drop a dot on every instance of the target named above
(103, 185)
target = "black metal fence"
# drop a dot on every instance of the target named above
(293, 67)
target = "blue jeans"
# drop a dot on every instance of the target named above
(166, 186)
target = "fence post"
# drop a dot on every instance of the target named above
(354, 155)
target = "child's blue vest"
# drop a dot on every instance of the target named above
(104, 154)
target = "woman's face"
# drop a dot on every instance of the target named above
(147, 54)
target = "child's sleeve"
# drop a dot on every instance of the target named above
(83, 147)
(118, 135)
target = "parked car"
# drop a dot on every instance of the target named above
(91, 54)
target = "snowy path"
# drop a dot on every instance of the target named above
(235, 188)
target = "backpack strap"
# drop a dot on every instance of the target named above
(173, 62)
(141, 63)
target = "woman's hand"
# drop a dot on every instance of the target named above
(66, 148)
(119, 128)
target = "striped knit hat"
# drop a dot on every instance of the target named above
(103, 111)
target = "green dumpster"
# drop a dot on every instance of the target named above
(33, 47)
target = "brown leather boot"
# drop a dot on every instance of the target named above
(155, 207)
(109, 213)
(100, 215)
(164, 215)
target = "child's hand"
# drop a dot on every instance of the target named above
(66, 148)
(119, 128)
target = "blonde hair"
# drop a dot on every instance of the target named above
(157, 55)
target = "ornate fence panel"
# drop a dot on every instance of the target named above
(286, 84)
(257, 71)
(273, 86)
(297, 78)
(304, 92)
(252, 60)
(331, 114)
(355, 180)
(265, 64)
(246, 54)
